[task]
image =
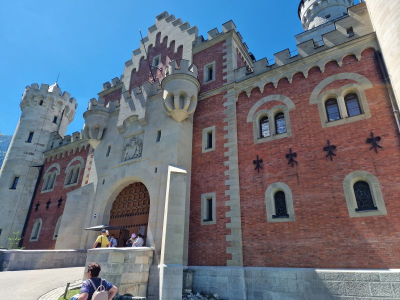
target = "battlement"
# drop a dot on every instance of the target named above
(57, 141)
(45, 91)
(115, 82)
(184, 68)
(354, 26)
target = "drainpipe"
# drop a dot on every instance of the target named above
(30, 206)
(388, 84)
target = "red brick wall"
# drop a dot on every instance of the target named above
(207, 244)
(113, 96)
(214, 53)
(50, 216)
(168, 54)
(323, 234)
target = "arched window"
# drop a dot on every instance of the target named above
(72, 171)
(280, 123)
(36, 230)
(264, 127)
(49, 181)
(362, 192)
(280, 205)
(57, 228)
(352, 105)
(332, 110)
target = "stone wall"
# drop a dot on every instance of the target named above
(14, 260)
(301, 284)
(126, 268)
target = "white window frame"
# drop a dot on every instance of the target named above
(205, 73)
(377, 197)
(270, 202)
(205, 139)
(50, 176)
(39, 223)
(204, 208)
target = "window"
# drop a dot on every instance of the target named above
(352, 105)
(108, 151)
(15, 183)
(30, 137)
(41, 102)
(327, 16)
(264, 127)
(350, 32)
(158, 136)
(332, 110)
(280, 205)
(1, 230)
(73, 175)
(280, 123)
(363, 195)
(57, 229)
(208, 209)
(37, 226)
(209, 72)
(208, 139)
(73, 170)
(55, 120)
(49, 181)
(156, 60)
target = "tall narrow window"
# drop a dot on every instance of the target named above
(76, 175)
(15, 183)
(158, 136)
(363, 195)
(36, 230)
(209, 209)
(280, 205)
(30, 137)
(210, 73)
(55, 120)
(69, 178)
(209, 140)
(280, 123)
(108, 151)
(332, 110)
(264, 127)
(352, 105)
(350, 32)
(41, 102)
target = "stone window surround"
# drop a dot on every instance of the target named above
(57, 229)
(376, 192)
(205, 139)
(72, 168)
(48, 175)
(13, 180)
(40, 222)
(153, 64)
(270, 202)
(339, 95)
(205, 72)
(204, 198)
(271, 113)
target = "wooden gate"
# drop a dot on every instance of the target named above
(130, 210)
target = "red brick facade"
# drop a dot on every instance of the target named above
(51, 215)
(322, 229)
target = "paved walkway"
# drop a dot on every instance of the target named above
(30, 285)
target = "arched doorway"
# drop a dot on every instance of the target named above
(130, 210)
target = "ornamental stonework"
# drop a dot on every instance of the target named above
(132, 148)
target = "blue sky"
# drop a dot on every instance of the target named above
(89, 41)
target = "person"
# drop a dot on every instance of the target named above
(113, 241)
(90, 285)
(129, 242)
(102, 240)
(138, 242)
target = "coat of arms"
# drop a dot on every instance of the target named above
(132, 149)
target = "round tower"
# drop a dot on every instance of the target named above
(45, 110)
(313, 13)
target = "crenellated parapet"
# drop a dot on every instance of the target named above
(49, 97)
(181, 89)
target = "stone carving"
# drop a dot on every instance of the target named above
(133, 148)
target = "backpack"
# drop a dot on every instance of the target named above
(100, 293)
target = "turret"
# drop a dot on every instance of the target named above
(313, 13)
(45, 111)
(181, 89)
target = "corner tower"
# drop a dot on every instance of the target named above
(45, 110)
(313, 13)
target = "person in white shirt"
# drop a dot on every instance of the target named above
(138, 242)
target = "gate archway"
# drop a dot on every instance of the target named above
(130, 210)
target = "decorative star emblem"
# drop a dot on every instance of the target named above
(291, 157)
(330, 149)
(373, 141)
(258, 163)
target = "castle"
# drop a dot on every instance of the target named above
(221, 160)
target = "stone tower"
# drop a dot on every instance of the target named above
(44, 111)
(313, 13)
(385, 19)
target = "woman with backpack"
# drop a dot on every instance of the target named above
(95, 288)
